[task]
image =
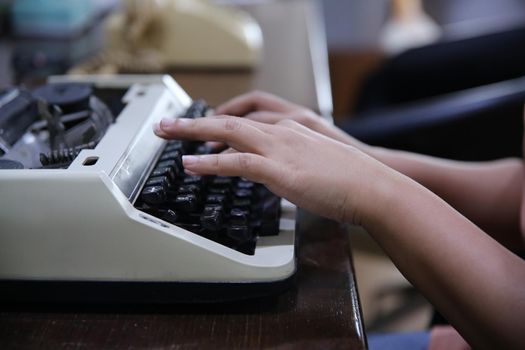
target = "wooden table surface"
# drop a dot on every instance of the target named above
(321, 312)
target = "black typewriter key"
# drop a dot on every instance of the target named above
(242, 203)
(238, 216)
(222, 181)
(166, 164)
(186, 202)
(243, 193)
(159, 181)
(172, 164)
(190, 217)
(147, 208)
(216, 199)
(173, 156)
(239, 233)
(255, 224)
(262, 192)
(194, 189)
(174, 145)
(247, 247)
(197, 109)
(168, 172)
(211, 218)
(218, 207)
(269, 228)
(245, 184)
(154, 195)
(271, 208)
(193, 180)
(167, 215)
(219, 190)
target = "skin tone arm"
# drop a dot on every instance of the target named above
(438, 250)
(476, 189)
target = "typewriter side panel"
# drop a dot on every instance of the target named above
(74, 226)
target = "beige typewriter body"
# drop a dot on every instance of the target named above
(79, 223)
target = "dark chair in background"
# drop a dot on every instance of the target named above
(459, 99)
(449, 65)
(474, 124)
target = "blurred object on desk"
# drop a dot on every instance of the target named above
(50, 36)
(51, 18)
(154, 36)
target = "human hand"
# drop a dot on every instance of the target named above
(314, 172)
(267, 108)
(270, 109)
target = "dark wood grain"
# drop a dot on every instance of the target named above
(320, 312)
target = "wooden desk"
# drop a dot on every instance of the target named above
(321, 312)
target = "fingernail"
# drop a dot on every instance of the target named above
(166, 123)
(189, 160)
(156, 128)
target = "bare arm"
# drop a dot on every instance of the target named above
(474, 281)
(488, 193)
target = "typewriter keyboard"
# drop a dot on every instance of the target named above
(229, 210)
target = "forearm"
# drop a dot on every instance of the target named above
(476, 283)
(488, 193)
(473, 280)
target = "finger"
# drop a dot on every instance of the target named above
(159, 132)
(254, 101)
(266, 117)
(259, 125)
(218, 146)
(236, 132)
(248, 165)
(300, 128)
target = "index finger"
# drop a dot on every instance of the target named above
(255, 101)
(241, 134)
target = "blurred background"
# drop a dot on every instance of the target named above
(362, 36)
(407, 74)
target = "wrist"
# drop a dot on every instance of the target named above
(385, 197)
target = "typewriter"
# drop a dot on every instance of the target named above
(95, 208)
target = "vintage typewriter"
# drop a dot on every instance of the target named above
(94, 207)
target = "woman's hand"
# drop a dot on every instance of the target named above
(270, 109)
(314, 172)
(267, 108)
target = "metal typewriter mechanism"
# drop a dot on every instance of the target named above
(94, 207)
